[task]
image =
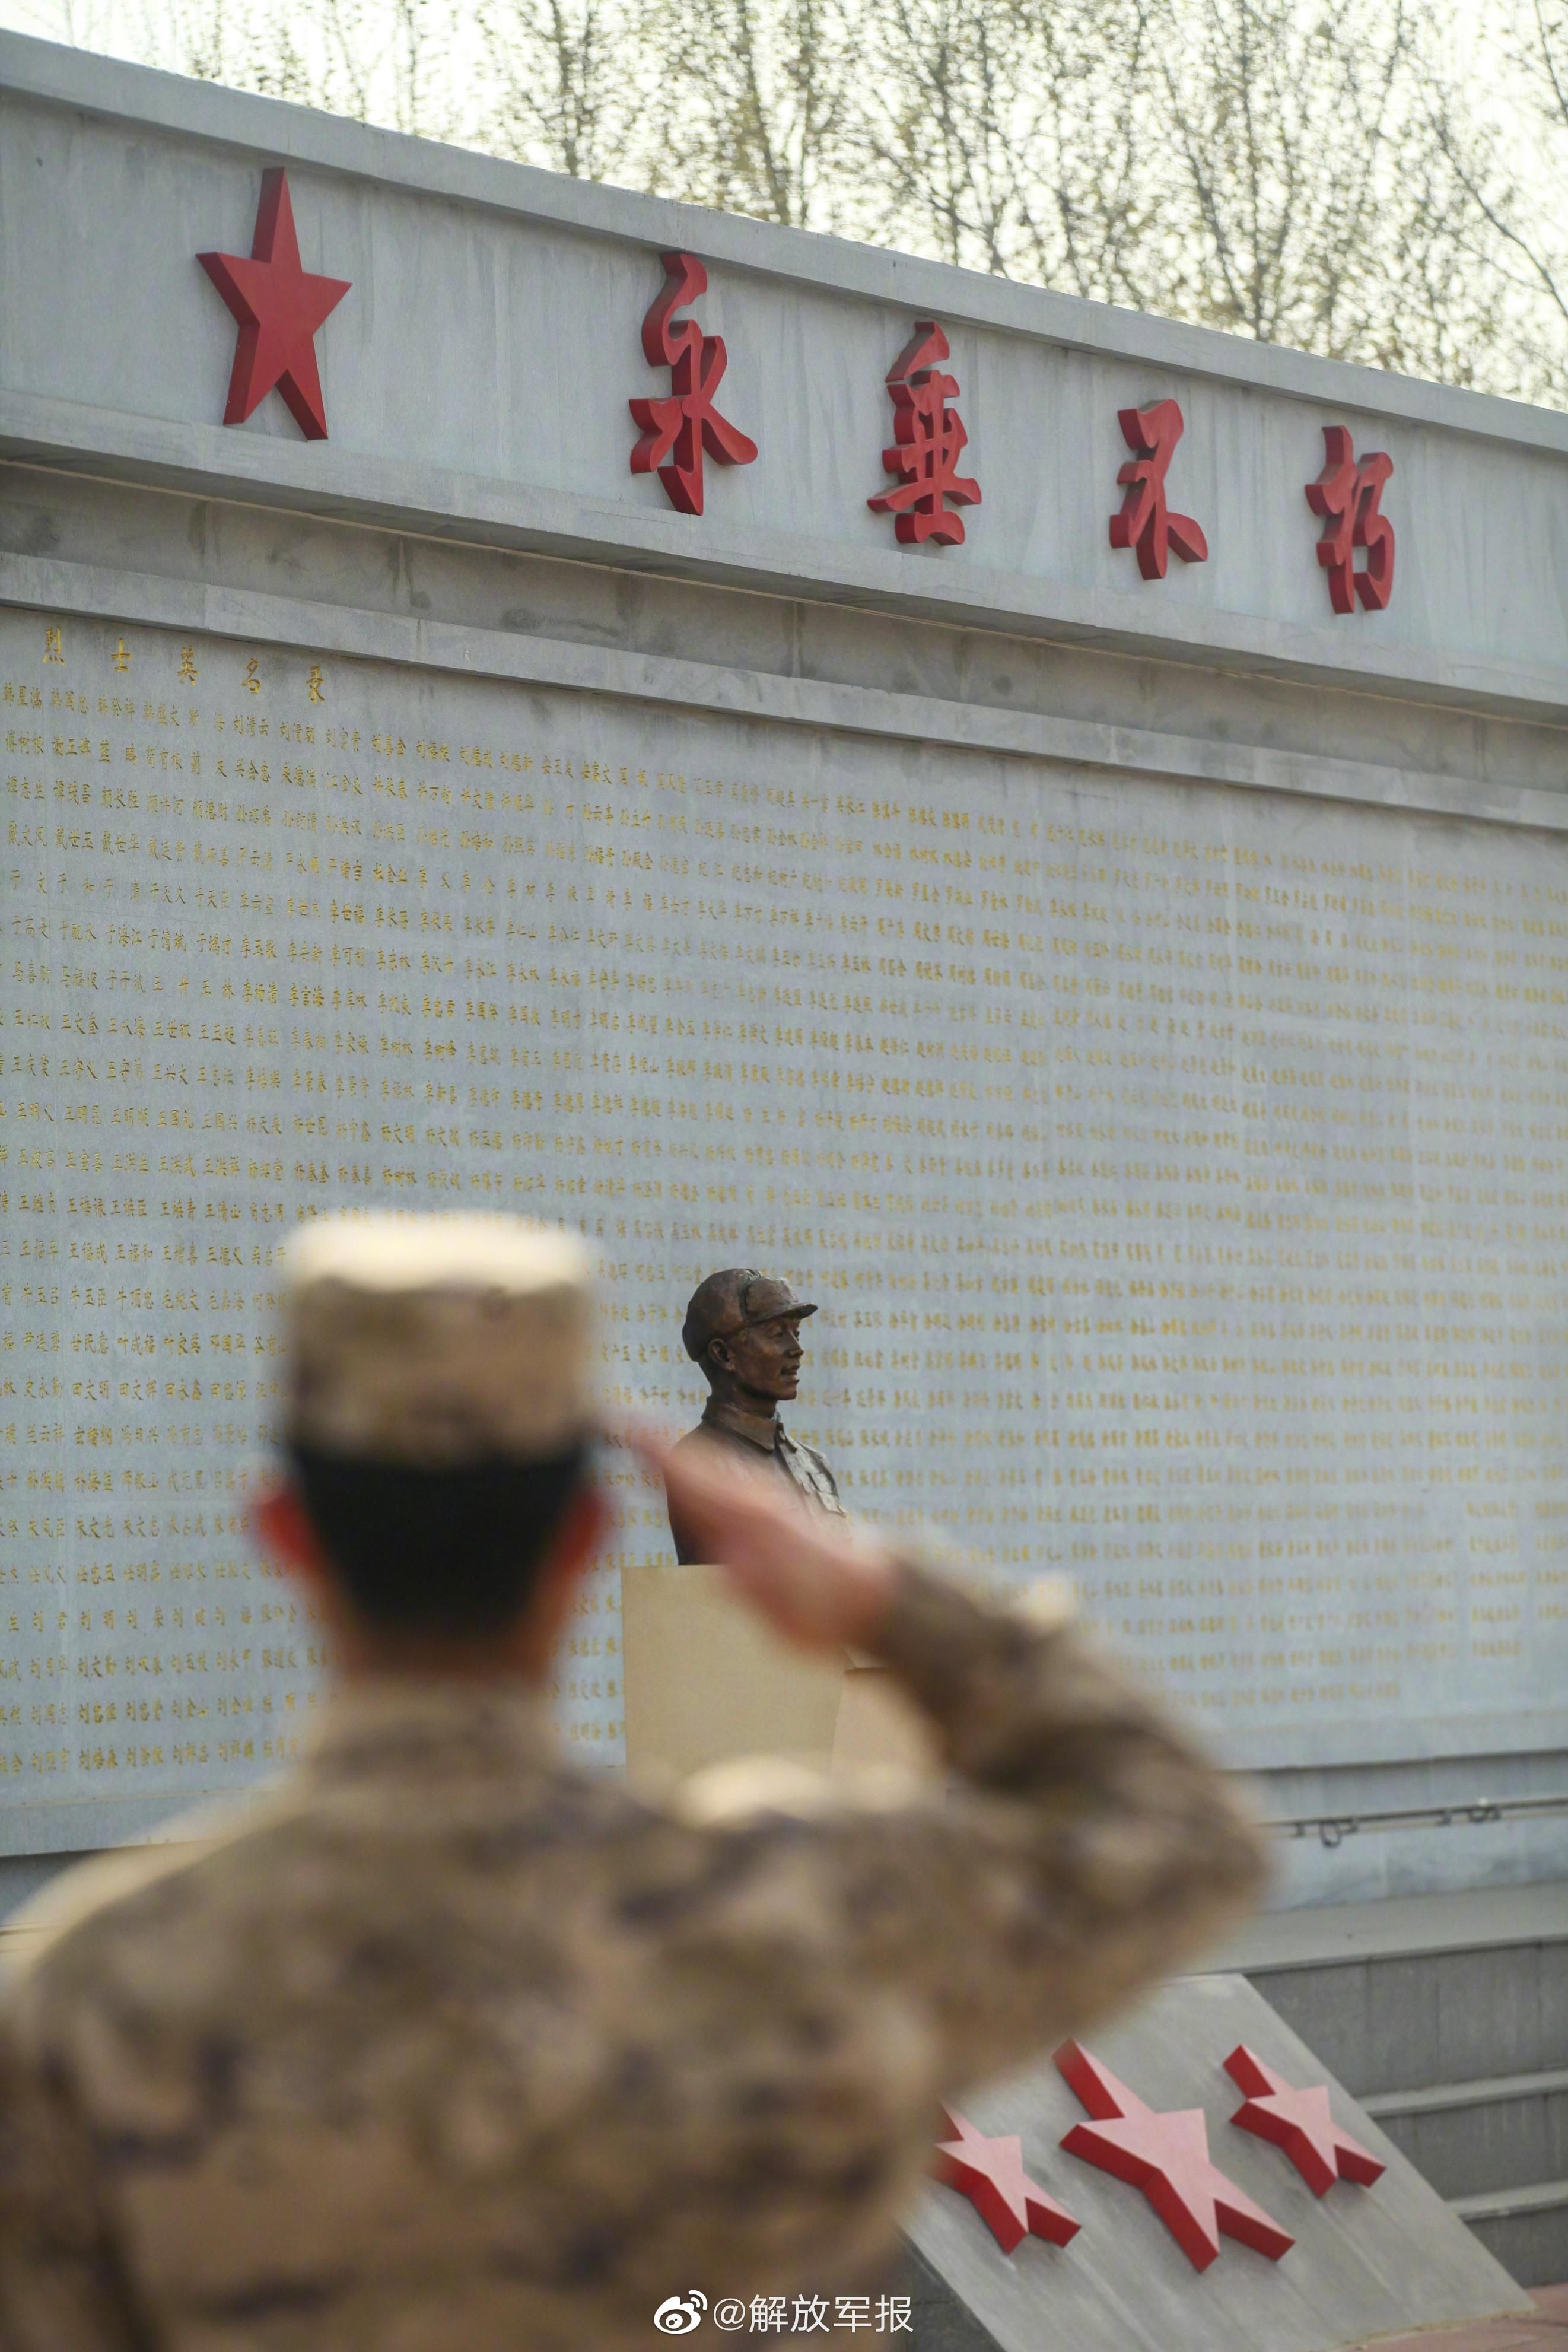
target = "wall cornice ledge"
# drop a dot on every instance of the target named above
(256, 617)
(209, 461)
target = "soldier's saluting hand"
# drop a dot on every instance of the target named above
(450, 2043)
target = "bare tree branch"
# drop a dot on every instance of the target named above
(1311, 171)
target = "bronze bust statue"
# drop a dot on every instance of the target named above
(743, 1328)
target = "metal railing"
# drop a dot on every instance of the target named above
(1332, 1828)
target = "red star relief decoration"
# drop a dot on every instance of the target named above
(1166, 2155)
(280, 306)
(1300, 2122)
(990, 2174)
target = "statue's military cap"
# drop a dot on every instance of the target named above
(437, 1341)
(730, 1300)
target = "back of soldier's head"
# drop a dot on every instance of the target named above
(438, 1406)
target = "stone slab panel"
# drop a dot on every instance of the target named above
(1367, 2262)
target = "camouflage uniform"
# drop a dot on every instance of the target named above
(450, 2047)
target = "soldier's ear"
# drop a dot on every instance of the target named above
(719, 1352)
(572, 1550)
(585, 1523)
(280, 1527)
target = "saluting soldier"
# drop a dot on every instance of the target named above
(450, 2043)
(743, 1332)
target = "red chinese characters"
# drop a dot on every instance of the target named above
(928, 440)
(990, 2174)
(1346, 493)
(1166, 2156)
(1145, 521)
(677, 431)
(1300, 2122)
(280, 306)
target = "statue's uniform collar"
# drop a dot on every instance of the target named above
(765, 1431)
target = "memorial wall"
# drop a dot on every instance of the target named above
(1181, 1171)
(1080, 887)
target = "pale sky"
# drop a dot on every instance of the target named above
(115, 28)
(129, 28)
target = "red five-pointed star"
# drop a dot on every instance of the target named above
(990, 2174)
(279, 307)
(1166, 2155)
(1299, 2121)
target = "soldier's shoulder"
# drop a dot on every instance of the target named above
(94, 1907)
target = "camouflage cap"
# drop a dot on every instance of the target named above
(437, 1341)
(730, 1300)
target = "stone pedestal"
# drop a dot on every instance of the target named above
(705, 1683)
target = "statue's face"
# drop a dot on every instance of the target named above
(764, 1357)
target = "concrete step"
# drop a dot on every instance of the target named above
(1463, 1999)
(1545, 2331)
(1492, 2133)
(1397, 1926)
(1478, 2094)
(1500, 2204)
(1423, 1990)
(1526, 2229)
